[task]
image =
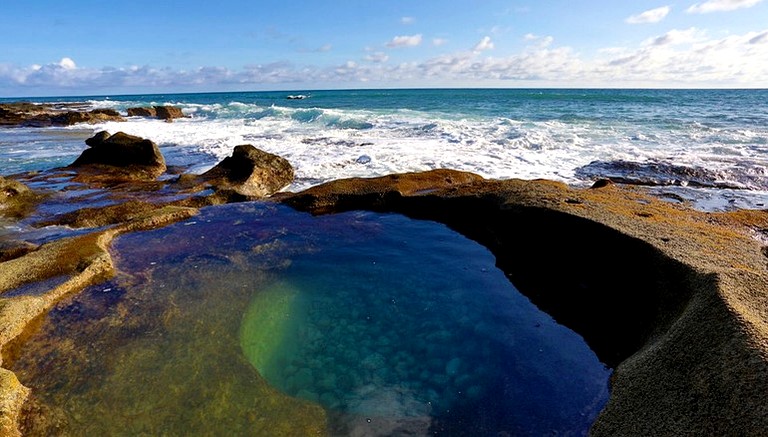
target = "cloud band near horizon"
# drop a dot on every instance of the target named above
(682, 58)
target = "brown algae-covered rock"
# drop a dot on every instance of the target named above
(250, 172)
(16, 199)
(44, 115)
(133, 156)
(167, 113)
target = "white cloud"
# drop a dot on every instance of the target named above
(437, 42)
(67, 64)
(649, 16)
(721, 6)
(676, 37)
(541, 41)
(377, 57)
(687, 58)
(405, 41)
(484, 44)
(407, 20)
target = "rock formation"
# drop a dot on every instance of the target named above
(250, 172)
(167, 113)
(673, 299)
(130, 156)
(44, 115)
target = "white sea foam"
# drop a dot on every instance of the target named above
(325, 144)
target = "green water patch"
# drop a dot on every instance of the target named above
(270, 324)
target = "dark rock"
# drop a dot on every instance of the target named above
(250, 172)
(168, 113)
(14, 249)
(142, 112)
(601, 183)
(138, 157)
(44, 115)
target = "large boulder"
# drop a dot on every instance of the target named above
(134, 156)
(167, 113)
(250, 172)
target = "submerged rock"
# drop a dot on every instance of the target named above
(16, 199)
(135, 157)
(250, 172)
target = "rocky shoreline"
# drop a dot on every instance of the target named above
(673, 299)
(24, 114)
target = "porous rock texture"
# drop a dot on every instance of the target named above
(250, 172)
(130, 156)
(675, 300)
(16, 199)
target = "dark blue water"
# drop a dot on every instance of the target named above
(402, 324)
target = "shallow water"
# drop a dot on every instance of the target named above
(243, 320)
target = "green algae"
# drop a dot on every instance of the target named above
(269, 324)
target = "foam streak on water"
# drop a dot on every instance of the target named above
(495, 133)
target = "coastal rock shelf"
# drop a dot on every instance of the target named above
(672, 299)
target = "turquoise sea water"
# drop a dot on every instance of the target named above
(703, 143)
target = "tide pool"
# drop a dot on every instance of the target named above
(254, 319)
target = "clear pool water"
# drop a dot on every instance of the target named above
(255, 319)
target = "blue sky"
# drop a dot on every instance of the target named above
(85, 47)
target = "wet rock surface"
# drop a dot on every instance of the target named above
(135, 157)
(167, 113)
(45, 115)
(667, 174)
(250, 172)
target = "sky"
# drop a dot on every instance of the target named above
(95, 47)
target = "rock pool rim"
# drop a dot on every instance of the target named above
(688, 311)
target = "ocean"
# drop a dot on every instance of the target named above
(706, 146)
